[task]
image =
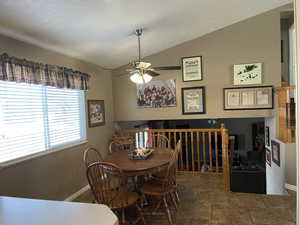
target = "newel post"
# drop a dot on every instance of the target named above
(225, 158)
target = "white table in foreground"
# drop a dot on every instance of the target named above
(20, 211)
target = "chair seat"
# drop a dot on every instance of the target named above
(155, 187)
(124, 199)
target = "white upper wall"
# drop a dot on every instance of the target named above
(100, 32)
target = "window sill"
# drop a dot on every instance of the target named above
(39, 154)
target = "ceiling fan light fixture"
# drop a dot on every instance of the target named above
(140, 78)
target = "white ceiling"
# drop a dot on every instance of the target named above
(100, 31)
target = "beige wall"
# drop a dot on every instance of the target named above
(254, 40)
(60, 174)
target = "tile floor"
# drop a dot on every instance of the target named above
(203, 202)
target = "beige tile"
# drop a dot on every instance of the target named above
(203, 202)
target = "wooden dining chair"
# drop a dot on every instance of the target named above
(91, 155)
(116, 146)
(163, 189)
(158, 177)
(108, 185)
(157, 141)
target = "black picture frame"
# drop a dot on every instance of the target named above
(275, 146)
(182, 68)
(184, 111)
(248, 108)
(267, 130)
(268, 156)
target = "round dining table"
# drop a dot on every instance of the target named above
(139, 167)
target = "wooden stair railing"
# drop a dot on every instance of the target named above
(203, 150)
(286, 115)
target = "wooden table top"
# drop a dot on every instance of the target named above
(159, 158)
(20, 211)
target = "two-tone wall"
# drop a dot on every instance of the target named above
(59, 174)
(254, 40)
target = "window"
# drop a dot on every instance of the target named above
(35, 118)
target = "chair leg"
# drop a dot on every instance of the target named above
(123, 216)
(177, 196)
(173, 200)
(168, 212)
(141, 213)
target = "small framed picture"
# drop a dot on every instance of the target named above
(193, 100)
(268, 156)
(192, 68)
(247, 74)
(267, 136)
(96, 113)
(275, 152)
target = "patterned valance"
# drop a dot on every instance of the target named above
(22, 70)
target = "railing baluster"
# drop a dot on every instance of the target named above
(204, 150)
(175, 139)
(192, 147)
(181, 160)
(169, 144)
(186, 152)
(216, 152)
(210, 152)
(198, 151)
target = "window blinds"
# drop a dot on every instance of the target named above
(35, 118)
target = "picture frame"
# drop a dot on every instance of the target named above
(248, 98)
(193, 100)
(191, 68)
(247, 74)
(96, 113)
(275, 146)
(267, 134)
(157, 94)
(268, 156)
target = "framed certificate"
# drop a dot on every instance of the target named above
(248, 98)
(192, 68)
(193, 100)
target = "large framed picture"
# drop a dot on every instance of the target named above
(96, 113)
(157, 94)
(247, 74)
(248, 98)
(192, 68)
(275, 152)
(193, 100)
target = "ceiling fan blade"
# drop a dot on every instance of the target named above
(167, 68)
(152, 73)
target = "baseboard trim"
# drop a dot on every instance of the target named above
(77, 194)
(291, 187)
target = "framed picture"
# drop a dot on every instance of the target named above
(247, 74)
(275, 152)
(247, 98)
(156, 94)
(193, 100)
(267, 136)
(192, 68)
(96, 113)
(268, 156)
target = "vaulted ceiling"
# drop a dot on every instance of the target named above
(101, 31)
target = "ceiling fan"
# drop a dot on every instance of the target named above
(142, 72)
